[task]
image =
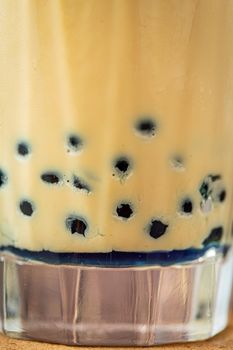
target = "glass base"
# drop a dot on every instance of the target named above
(115, 306)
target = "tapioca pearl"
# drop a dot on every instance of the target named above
(212, 188)
(186, 206)
(156, 228)
(146, 127)
(205, 188)
(74, 143)
(76, 225)
(215, 236)
(215, 177)
(209, 192)
(3, 178)
(81, 184)
(222, 195)
(207, 184)
(177, 162)
(26, 207)
(219, 193)
(122, 166)
(23, 149)
(124, 210)
(51, 177)
(206, 205)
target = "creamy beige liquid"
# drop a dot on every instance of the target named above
(95, 69)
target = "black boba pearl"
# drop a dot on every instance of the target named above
(81, 184)
(74, 142)
(3, 178)
(186, 206)
(177, 162)
(146, 127)
(76, 224)
(157, 228)
(222, 196)
(214, 236)
(205, 190)
(26, 207)
(51, 177)
(122, 165)
(215, 177)
(124, 210)
(23, 149)
(207, 187)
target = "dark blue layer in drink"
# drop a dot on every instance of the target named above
(116, 258)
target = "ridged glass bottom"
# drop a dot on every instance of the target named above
(81, 305)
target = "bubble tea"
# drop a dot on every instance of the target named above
(116, 138)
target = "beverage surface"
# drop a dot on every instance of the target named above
(116, 124)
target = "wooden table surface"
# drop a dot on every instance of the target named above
(222, 341)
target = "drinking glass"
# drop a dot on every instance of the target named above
(116, 148)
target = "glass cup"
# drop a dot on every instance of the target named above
(116, 139)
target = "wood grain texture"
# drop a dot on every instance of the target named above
(223, 341)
